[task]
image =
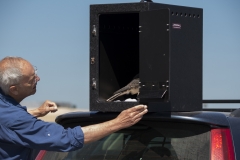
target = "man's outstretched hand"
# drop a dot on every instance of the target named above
(131, 116)
(125, 119)
(44, 109)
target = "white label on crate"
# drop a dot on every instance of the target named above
(176, 26)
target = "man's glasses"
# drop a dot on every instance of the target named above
(35, 76)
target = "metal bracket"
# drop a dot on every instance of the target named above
(94, 83)
(94, 31)
(92, 60)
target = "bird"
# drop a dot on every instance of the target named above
(131, 88)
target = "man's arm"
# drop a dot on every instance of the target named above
(44, 109)
(125, 119)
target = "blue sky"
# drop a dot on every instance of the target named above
(54, 36)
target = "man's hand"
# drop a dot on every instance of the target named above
(44, 109)
(125, 119)
(131, 116)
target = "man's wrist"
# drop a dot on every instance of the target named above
(34, 112)
(115, 125)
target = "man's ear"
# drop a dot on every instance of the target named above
(13, 90)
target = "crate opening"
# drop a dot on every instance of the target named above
(118, 52)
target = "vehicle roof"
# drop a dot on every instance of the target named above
(204, 117)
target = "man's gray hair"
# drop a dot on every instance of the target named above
(10, 72)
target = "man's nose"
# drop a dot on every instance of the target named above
(37, 78)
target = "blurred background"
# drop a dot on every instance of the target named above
(54, 36)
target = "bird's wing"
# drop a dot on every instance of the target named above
(116, 96)
(132, 88)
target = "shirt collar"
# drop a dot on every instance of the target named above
(7, 98)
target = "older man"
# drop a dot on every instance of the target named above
(20, 131)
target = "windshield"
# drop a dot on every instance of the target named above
(146, 141)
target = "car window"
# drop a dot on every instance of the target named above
(144, 141)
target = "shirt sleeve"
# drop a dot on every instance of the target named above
(34, 133)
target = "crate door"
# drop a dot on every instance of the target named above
(154, 54)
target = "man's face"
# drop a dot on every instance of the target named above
(29, 81)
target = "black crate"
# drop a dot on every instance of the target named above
(159, 43)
